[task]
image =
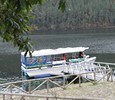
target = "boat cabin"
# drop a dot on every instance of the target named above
(52, 57)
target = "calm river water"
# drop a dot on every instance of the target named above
(101, 44)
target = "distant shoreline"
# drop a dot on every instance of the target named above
(81, 30)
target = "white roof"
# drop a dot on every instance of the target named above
(44, 52)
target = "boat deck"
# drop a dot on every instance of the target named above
(57, 70)
(60, 70)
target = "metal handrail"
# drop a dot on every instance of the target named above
(104, 63)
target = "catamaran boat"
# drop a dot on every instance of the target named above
(53, 62)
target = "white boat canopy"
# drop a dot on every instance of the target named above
(57, 51)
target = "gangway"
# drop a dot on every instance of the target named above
(88, 66)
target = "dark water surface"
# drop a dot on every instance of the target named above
(101, 45)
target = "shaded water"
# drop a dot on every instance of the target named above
(101, 44)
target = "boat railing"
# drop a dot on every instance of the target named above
(81, 66)
(90, 65)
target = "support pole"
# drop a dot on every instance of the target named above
(29, 87)
(3, 96)
(94, 76)
(11, 92)
(79, 80)
(111, 76)
(108, 75)
(64, 82)
(47, 85)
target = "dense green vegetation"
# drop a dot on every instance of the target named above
(78, 14)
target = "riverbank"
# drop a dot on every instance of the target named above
(87, 91)
(101, 91)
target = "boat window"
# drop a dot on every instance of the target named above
(58, 57)
(31, 61)
(81, 55)
(73, 55)
(49, 58)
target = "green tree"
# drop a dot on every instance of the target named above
(78, 14)
(14, 21)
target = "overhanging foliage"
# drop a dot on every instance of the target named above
(14, 18)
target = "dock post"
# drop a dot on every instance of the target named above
(111, 76)
(47, 85)
(11, 92)
(64, 82)
(79, 80)
(47, 98)
(29, 87)
(3, 96)
(94, 76)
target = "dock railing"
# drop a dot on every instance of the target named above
(13, 89)
(107, 66)
(41, 97)
(104, 64)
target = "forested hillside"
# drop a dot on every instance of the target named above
(78, 14)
